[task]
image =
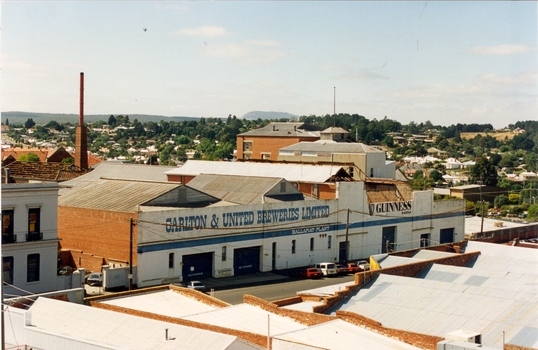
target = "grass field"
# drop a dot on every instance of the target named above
(497, 135)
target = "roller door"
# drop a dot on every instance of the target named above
(246, 260)
(197, 266)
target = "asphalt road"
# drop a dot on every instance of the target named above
(277, 291)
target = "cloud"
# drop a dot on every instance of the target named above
(506, 49)
(251, 51)
(203, 32)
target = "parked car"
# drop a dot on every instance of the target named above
(311, 272)
(95, 279)
(365, 265)
(354, 268)
(196, 285)
(327, 269)
(342, 269)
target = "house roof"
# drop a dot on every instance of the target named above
(291, 172)
(330, 147)
(285, 130)
(245, 189)
(110, 194)
(114, 330)
(42, 171)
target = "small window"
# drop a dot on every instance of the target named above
(293, 246)
(32, 268)
(351, 171)
(312, 244)
(266, 156)
(223, 256)
(7, 226)
(329, 239)
(170, 260)
(247, 145)
(371, 172)
(33, 219)
(7, 269)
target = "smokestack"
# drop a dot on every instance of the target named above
(81, 133)
(81, 112)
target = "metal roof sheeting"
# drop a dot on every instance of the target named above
(114, 195)
(331, 147)
(498, 293)
(113, 330)
(336, 335)
(290, 172)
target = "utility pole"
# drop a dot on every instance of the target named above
(347, 236)
(481, 209)
(131, 225)
(334, 107)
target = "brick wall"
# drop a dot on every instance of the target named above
(98, 233)
(77, 259)
(422, 341)
(268, 144)
(306, 318)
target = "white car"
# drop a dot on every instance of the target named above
(365, 265)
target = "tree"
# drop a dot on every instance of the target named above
(29, 123)
(112, 121)
(28, 157)
(484, 171)
(501, 200)
(513, 198)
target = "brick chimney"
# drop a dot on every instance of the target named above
(81, 133)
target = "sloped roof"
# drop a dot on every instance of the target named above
(43, 171)
(127, 195)
(285, 130)
(16, 152)
(339, 334)
(114, 330)
(334, 130)
(243, 189)
(497, 293)
(122, 171)
(330, 147)
(291, 172)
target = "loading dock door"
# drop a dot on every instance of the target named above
(446, 235)
(197, 266)
(246, 260)
(389, 234)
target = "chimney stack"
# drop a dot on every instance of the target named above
(81, 133)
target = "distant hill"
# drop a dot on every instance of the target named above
(269, 115)
(44, 118)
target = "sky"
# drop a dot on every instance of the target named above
(447, 62)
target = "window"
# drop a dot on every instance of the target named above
(282, 187)
(329, 238)
(7, 269)
(293, 246)
(351, 171)
(33, 219)
(170, 260)
(266, 156)
(32, 268)
(223, 253)
(371, 172)
(247, 145)
(312, 244)
(8, 235)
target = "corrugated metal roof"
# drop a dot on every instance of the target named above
(122, 171)
(114, 330)
(290, 172)
(167, 303)
(331, 147)
(115, 195)
(247, 318)
(242, 190)
(498, 293)
(337, 335)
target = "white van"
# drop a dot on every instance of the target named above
(327, 268)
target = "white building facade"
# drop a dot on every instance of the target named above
(29, 238)
(223, 240)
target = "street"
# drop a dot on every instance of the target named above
(277, 291)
